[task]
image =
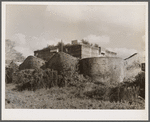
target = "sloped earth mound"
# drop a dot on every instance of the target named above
(62, 62)
(32, 62)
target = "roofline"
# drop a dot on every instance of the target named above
(41, 50)
(45, 49)
(111, 51)
(82, 45)
(131, 56)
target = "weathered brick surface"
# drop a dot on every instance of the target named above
(104, 69)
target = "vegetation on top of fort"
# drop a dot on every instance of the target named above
(88, 43)
(59, 44)
(96, 45)
(52, 47)
(85, 42)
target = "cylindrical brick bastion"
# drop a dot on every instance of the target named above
(103, 69)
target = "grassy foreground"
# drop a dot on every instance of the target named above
(60, 98)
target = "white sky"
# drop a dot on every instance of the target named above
(120, 28)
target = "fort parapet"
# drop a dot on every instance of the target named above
(78, 50)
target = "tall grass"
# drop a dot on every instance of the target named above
(38, 78)
(126, 91)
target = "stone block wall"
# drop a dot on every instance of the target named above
(89, 51)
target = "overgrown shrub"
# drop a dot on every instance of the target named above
(85, 42)
(71, 76)
(33, 79)
(38, 78)
(126, 91)
(112, 93)
(140, 81)
(8, 75)
(21, 76)
(122, 93)
(98, 92)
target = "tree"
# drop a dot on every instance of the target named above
(11, 53)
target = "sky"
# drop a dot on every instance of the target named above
(119, 28)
